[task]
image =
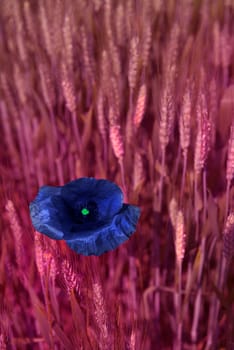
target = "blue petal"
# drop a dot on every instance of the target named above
(54, 213)
(107, 195)
(108, 237)
(44, 214)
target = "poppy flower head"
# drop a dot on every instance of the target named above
(87, 213)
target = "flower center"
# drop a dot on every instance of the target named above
(84, 211)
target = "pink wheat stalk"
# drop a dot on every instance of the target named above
(51, 273)
(230, 166)
(180, 250)
(224, 261)
(30, 25)
(158, 4)
(71, 278)
(164, 139)
(140, 106)
(102, 122)
(172, 51)
(165, 130)
(70, 98)
(47, 86)
(132, 343)
(213, 108)
(57, 37)
(133, 64)
(146, 43)
(198, 298)
(42, 268)
(133, 278)
(3, 344)
(45, 262)
(114, 56)
(132, 81)
(138, 172)
(68, 41)
(119, 24)
(173, 212)
(226, 48)
(20, 83)
(71, 166)
(118, 148)
(87, 57)
(228, 237)
(27, 135)
(51, 265)
(97, 5)
(16, 230)
(105, 73)
(184, 129)
(115, 97)
(8, 96)
(68, 89)
(129, 130)
(23, 152)
(50, 147)
(202, 148)
(129, 18)
(171, 100)
(216, 44)
(107, 17)
(59, 168)
(47, 270)
(45, 28)
(117, 143)
(112, 116)
(196, 315)
(180, 237)
(101, 316)
(7, 129)
(38, 168)
(39, 248)
(20, 32)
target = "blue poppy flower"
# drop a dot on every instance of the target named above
(88, 214)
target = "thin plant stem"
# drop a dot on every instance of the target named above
(227, 198)
(76, 133)
(215, 304)
(185, 158)
(162, 179)
(157, 279)
(123, 179)
(198, 299)
(45, 288)
(178, 306)
(196, 206)
(177, 163)
(204, 195)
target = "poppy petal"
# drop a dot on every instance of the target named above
(107, 195)
(87, 213)
(43, 213)
(108, 237)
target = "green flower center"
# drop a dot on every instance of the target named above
(84, 211)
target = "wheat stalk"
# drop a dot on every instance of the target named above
(230, 166)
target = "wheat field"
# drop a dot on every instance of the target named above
(140, 93)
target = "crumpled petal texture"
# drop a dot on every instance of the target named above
(87, 213)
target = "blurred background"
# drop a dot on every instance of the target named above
(140, 93)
